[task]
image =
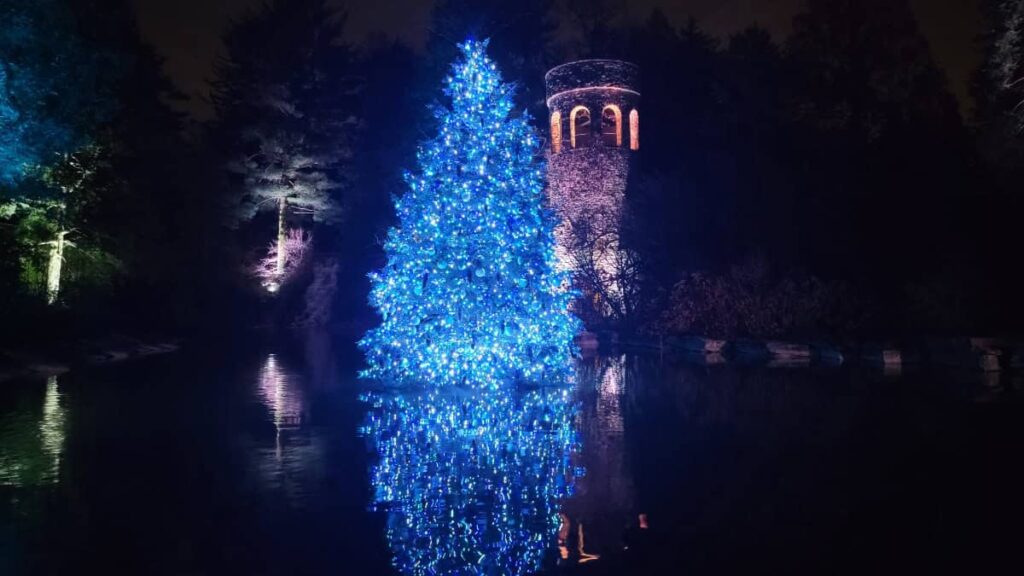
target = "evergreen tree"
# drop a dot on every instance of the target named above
(48, 86)
(393, 107)
(150, 213)
(883, 147)
(285, 98)
(1001, 94)
(469, 294)
(591, 28)
(77, 182)
(55, 94)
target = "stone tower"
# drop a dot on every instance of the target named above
(594, 119)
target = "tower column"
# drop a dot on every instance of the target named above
(593, 106)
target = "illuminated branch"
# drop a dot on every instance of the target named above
(634, 130)
(285, 257)
(556, 132)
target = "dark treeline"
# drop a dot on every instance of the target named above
(837, 161)
(825, 183)
(840, 154)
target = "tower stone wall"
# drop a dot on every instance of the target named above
(594, 130)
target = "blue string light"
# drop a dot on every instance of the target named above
(470, 294)
(472, 482)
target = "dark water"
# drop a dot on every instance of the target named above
(278, 461)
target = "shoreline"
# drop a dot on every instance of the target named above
(17, 363)
(979, 354)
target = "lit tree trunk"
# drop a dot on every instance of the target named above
(53, 269)
(280, 236)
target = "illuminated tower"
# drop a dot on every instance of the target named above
(595, 129)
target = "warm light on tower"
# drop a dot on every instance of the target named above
(611, 124)
(634, 130)
(556, 132)
(587, 180)
(579, 126)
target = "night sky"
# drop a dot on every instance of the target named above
(187, 32)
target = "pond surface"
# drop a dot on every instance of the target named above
(278, 460)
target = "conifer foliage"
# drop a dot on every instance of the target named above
(470, 294)
(286, 100)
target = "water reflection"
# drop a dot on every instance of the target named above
(282, 397)
(473, 483)
(255, 468)
(51, 427)
(297, 453)
(605, 500)
(32, 439)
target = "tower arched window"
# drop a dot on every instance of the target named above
(611, 125)
(556, 132)
(579, 127)
(634, 130)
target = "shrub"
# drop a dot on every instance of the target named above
(751, 301)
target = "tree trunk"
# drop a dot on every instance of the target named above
(280, 238)
(53, 269)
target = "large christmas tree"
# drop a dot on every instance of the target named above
(470, 294)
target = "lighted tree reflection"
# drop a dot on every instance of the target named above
(295, 464)
(605, 499)
(32, 440)
(51, 427)
(281, 396)
(472, 483)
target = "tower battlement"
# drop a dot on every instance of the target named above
(594, 103)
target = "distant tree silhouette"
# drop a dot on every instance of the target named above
(49, 80)
(886, 157)
(520, 36)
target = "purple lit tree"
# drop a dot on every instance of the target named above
(285, 258)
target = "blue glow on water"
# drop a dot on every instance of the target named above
(472, 483)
